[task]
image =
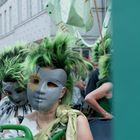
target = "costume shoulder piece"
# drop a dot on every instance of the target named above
(66, 118)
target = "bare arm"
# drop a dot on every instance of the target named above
(103, 91)
(84, 132)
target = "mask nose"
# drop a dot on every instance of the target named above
(42, 88)
(15, 96)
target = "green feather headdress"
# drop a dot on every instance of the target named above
(57, 52)
(102, 47)
(14, 50)
(104, 66)
(10, 64)
(10, 69)
(96, 52)
(102, 55)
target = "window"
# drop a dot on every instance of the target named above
(5, 21)
(0, 23)
(19, 7)
(10, 18)
(40, 5)
(29, 8)
(86, 53)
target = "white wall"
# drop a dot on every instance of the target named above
(38, 24)
(32, 28)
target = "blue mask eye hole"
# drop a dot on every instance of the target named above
(7, 93)
(51, 85)
(19, 90)
(34, 79)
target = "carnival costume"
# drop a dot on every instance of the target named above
(58, 54)
(15, 103)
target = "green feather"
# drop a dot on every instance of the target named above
(57, 52)
(11, 59)
(95, 51)
(104, 66)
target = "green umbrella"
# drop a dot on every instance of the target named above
(72, 12)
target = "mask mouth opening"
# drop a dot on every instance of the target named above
(17, 102)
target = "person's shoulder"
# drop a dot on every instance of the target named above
(81, 119)
(83, 128)
(104, 80)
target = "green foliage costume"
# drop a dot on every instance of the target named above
(10, 64)
(13, 84)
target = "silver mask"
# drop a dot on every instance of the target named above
(45, 87)
(15, 92)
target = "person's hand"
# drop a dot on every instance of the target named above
(80, 84)
(107, 115)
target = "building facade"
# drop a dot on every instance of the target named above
(27, 20)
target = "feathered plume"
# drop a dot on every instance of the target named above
(104, 66)
(57, 52)
(10, 64)
(102, 55)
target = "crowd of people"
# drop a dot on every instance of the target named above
(42, 88)
(54, 91)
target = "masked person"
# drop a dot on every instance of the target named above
(100, 97)
(13, 86)
(99, 92)
(49, 91)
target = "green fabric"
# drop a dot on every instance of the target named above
(69, 18)
(105, 104)
(107, 26)
(58, 135)
(73, 12)
(64, 115)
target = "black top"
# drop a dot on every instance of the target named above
(92, 83)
